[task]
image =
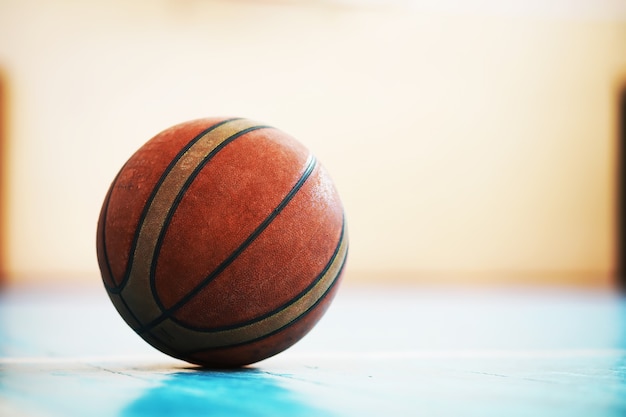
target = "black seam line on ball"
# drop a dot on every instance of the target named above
(130, 311)
(105, 212)
(118, 289)
(103, 241)
(177, 201)
(294, 300)
(231, 258)
(280, 329)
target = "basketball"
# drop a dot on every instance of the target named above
(222, 242)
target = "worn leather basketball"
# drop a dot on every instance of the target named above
(222, 241)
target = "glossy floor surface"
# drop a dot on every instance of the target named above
(379, 351)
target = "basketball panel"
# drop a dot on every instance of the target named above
(279, 265)
(226, 202)
(132, 189)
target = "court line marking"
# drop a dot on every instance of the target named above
(345, 355)
(462, 353)
(139, 359)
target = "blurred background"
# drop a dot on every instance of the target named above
(472, 141)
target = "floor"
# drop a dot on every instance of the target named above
(392, 351)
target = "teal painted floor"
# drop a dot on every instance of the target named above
(379, 351)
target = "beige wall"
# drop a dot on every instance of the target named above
(468, 143)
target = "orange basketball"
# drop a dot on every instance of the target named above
(222, 241)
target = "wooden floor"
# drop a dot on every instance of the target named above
(378, 352)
